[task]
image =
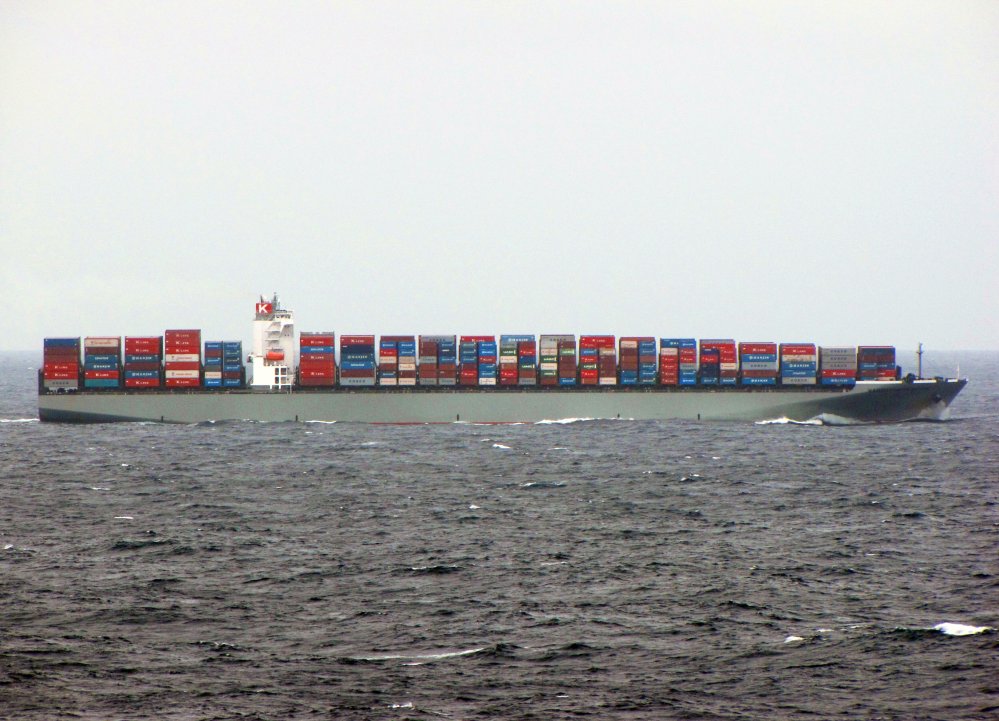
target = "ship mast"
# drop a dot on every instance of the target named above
(919, 361)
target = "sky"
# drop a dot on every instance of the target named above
(764, 171)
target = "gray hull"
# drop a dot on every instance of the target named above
(865, 402)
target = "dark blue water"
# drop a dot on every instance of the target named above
(593, 570)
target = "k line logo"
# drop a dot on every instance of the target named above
(265, 308)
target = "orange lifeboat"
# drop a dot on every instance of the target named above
(275, 355)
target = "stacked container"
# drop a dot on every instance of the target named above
(213, 364)
(407, 360)
(101, 362)
(637, 360)
(758, 364)
(317, 359)
(182, 358)
(798, 364)
(722, 361)
(597, 360)
(837, 365)
(557, 360)
(61, 364)
(388, 358)
(438, 360)
(233, 373)
(876, 363)
(488, 357)
(678, 361)
(477, 360)
(518, 360)
(447, 361)
(548, 360)
(143, 361)
(357, 360)
(428, 360)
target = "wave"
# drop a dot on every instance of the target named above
(18, 420)
(784, 420)
(567, 421)
(959, 629)
(413, 657)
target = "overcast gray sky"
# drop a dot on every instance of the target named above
(824, 171)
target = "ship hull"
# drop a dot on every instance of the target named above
(865, 402)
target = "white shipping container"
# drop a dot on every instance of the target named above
(549, 366)
(629, 344)
(808, 381)
(812, 358)
(182, 374)
(62, 383)
(838, 349)
(407, 365)
(389, 381)
(212, 375)
(407, 381)
(487, 381)
(607, 381)
(729, 366)
(759, 365)
(102, 341)
(182, 358)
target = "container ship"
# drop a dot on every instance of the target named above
(179, 377)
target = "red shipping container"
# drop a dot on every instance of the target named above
(838, 373)
(183, 382)
(351, 340)
(758, 374)
(183, 336)
(100, 375)
(357, 373)
(317, 382)
(478, 339)
(142, 382)
(797, 349)
(144, 366)
(182, 366)
(315, 373)
(64, 367)
(766, 347)
(60, 375)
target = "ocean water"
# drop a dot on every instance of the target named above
(588, 570)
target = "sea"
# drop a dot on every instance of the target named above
(575, 569)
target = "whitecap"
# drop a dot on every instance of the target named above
(100, 488)
(408, 704)
(562, 421)
(324, 422)
(8, 546)
(960, 629)
(422, 656)
(793, 639)
(473, 507)
(500, 445)
(18, 420)
(784, 420)
(124, 518)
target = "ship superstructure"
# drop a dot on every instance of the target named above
(272, 357)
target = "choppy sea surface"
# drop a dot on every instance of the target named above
(578, 570)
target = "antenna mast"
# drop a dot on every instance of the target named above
(919, 361)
